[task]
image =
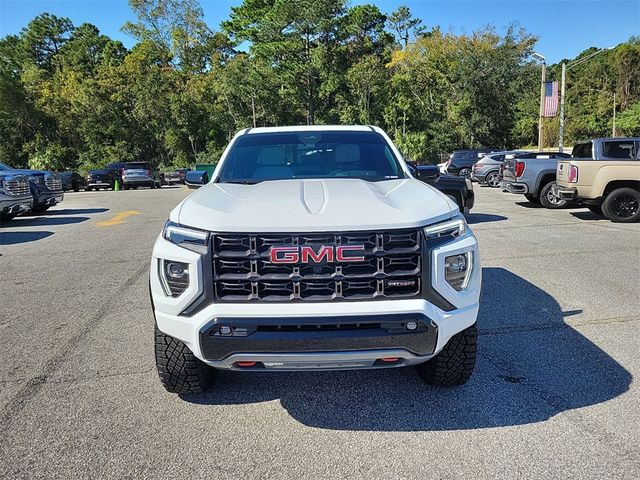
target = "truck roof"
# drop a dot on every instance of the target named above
(310, 128)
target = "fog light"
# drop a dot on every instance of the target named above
(457, 270)
(175, 277)
(176, 270)
(411, 326)
(225, 330)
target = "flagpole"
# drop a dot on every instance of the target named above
(541, 119)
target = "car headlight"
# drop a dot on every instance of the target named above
(189, 238)
(456, 227)
(457, 270)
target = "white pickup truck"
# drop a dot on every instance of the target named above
(314, 248)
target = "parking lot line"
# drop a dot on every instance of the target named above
(118, 219)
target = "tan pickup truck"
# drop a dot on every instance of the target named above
(607, 181)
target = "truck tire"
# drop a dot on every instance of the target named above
(455, 363)
(548, 200)
(532, 199)
(622, 205)
(493, 179)
(179, 369)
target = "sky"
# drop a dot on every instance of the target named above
(565, 27)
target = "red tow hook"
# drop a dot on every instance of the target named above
(246, 364)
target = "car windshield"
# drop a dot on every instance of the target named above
(258, 157)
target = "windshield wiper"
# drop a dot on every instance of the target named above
(242, 182)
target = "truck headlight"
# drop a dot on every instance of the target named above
(189, 238)
(175, 277)
(457, 270)
(456, 227)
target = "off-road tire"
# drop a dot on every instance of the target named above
(545, 200)
(597, 209)
(613, 208)
(455, 363)
(532, 199)
(179, 370)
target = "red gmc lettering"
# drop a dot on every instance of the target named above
(308, 253)
(340, 253)
(284, 255)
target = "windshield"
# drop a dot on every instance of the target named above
(255, 158)
(4, 166)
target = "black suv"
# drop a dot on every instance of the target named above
(461, 162)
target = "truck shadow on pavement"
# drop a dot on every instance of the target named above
(475, 218)
(73, 211)
(531, 366)
(14, 238)
(45, 221)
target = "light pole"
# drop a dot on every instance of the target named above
(565, 67)
(541, 58)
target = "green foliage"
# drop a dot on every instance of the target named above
(71, 97)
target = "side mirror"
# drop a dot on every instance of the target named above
(196, 179)
(428, 172)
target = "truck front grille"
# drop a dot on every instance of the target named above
(243, 271)
(17, 186)
(52, 183)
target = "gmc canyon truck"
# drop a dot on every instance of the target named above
(610, 186)
(534, 175)
(314, 248)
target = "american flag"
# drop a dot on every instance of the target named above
(551, 99)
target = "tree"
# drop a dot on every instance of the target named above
(404, 25)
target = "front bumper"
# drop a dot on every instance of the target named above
(514, 187)
(565, 193)
(98, 184)
(15, 205)
(42, 197)
(302, 342)
(314, 335)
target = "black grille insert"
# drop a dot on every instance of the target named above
(243, 271)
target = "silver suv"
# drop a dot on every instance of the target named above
(487, 170)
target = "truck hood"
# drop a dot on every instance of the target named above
(313, 205)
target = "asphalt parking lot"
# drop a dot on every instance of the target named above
(553, 395)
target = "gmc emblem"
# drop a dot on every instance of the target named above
(307, 254)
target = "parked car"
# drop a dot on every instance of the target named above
(103, 178)
(173, 178)
(140, 174)
(15, 194)
(608, 185)
(183, 173)
(314, 248)
(460, 190)
(461, 161)
(45, 186)
(533, 175)
(72, 181)
(487, 169)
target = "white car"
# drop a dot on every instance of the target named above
(314, 248)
